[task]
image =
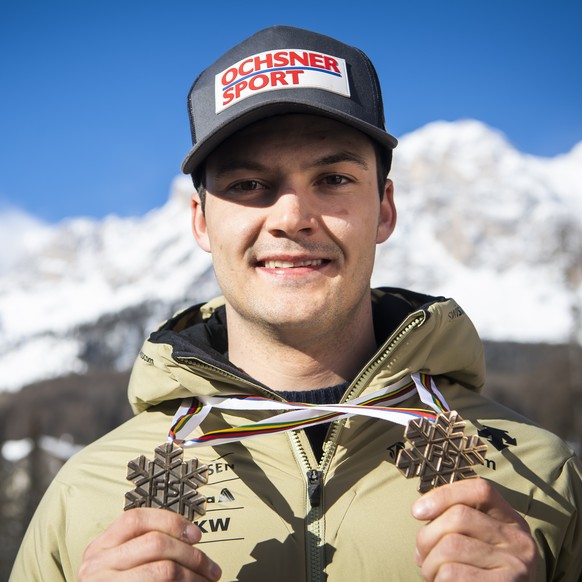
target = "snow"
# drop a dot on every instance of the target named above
(39, 358)
(85, 269)
(15, 450)
(62, 448)
(20, 234)
(498, 230)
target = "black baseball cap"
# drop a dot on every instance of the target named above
(279, 70)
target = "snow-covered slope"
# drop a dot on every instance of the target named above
(499, 230)
(119, 275)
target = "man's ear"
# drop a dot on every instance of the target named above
(199, 227)
(387, 218)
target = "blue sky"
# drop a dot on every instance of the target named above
(93, 93)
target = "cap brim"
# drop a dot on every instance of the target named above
(261, 111)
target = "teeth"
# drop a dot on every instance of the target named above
(290, 265)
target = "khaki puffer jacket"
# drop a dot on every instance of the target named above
(274, 511)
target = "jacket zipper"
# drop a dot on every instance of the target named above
(314, 479)
(197, 362)
(385, 352)
(419, 319)
(314, 487)
(314, 511)
(315, 475)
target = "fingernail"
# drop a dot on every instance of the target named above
(417, 557)
(421, 509)
(215, 571)
(192, 533)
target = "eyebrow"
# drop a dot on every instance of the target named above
(344, 156)
(234, 164)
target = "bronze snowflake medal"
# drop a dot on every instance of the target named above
(440, 453)
(167, 482)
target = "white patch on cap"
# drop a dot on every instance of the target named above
(280, 69)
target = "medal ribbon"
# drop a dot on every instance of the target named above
(299, 415)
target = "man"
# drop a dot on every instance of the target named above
(290, 162)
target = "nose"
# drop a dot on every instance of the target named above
(290, 214)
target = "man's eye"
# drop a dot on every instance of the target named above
(335, 180)
(247, 186)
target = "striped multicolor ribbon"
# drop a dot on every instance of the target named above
(296, 415)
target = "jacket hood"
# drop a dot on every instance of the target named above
(187, 355)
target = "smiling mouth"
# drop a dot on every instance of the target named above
(272, 264)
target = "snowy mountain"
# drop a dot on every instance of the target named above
(498, 230)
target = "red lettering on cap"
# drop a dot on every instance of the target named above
(278, 78)
(279, 69)
(229, 76)
(227, 96)
(267, 61)
(316, 60)
(239, 88)
(295, 76)
(281, 58)
(258, 82)
(242, 71)
(331, 64)
(302, 59)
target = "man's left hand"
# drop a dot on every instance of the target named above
(473, 533)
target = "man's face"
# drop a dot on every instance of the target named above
(292, 218)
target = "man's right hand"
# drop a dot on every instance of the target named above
(148, 544)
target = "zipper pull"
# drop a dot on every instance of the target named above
(314, 487)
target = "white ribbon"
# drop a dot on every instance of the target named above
(304, 414)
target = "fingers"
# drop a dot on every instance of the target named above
(155, 546)
(472, 526)
(466, 521)
(146, 544)
(457, 572)
(477, 493)
(136, 522)
(164, 571)
(466, 536)
(456, 557)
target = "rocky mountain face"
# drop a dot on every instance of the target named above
(498, 230)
